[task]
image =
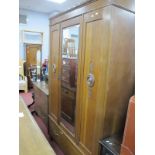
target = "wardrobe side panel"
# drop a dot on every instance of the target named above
(121, 69)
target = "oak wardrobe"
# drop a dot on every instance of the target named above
(91, 74)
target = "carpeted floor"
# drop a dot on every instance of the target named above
(27, 97)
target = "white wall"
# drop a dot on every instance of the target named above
(36, 22)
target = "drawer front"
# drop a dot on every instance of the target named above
(43, 105)
(63, 140)
(41, 102)
(68, 93)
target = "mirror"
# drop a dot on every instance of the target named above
(69, 70)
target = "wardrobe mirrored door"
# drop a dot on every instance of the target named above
(69, 70)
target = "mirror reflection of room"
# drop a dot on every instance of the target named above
(70, 42)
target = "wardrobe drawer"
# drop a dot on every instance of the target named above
(41, 101)
(63, 140)
(69, 147)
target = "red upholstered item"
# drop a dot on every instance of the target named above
(128, 144)
(27, 97)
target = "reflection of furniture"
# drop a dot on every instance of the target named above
(41, 100)
(111, 145)
(128, 144)
(69, 47)
(31, 139)
(105, 78)
(22, 77)
(68, 90)
(68, 104)
(69, 72)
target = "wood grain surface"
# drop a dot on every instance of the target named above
(31, 139)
